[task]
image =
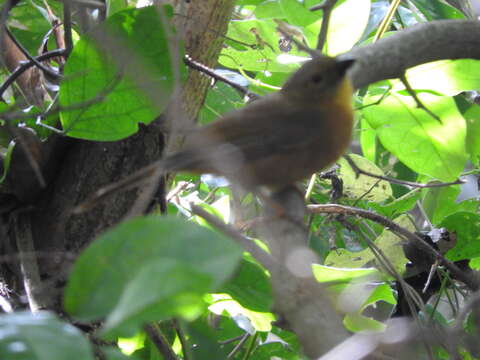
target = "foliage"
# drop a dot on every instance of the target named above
(155, 268)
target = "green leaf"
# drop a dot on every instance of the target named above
(440, 202)
(363, 186)
(416, 138)
(347, 24)
(128, 67)
(206, 343)
(436, 10)
(447, 77)
(41, 336)
(112, 353)
(344, 275)
(220, 99)
(398, 206)
(472, 117)
(298, 13)
(368, 141)
(250, 286)
(382, 292)
(115, 6)
(389, 243)
(269, 9)
(224, 304)
(467, 229)
(168, 289)
(259, 51)
(356, 322)
(250, 2)
(107, 274)
(30, 23)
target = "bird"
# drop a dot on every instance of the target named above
(275, 141)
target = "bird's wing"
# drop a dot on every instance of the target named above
(284, 130)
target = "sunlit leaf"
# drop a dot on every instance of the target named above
(447, 77)
(258, 50)
(325, 273)
(347, 24)
(363, 186)
(261, 321)
(426, 145)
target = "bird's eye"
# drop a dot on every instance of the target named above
(317, 78)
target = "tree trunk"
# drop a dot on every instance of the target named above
(87, 166)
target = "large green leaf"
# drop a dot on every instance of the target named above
(426, 145)
(117, 76)
(41, 336)
(150, 261)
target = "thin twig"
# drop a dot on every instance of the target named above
(181, 337)
(406, 183)
(67, 27)
(472, 282)
(327, 7)
(385, 23)
(238, 346)
(259, 254)
(210, 72)
(378, 102)
(37, 63)
(413, 94)
(410, 293)
(25, 66)
(155, 334)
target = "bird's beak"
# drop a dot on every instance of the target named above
(344, 65)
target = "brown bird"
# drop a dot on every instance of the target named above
(274, 141)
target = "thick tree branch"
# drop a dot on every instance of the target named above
(389, 57)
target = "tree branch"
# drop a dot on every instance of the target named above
(389, 57)
(473, 282)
